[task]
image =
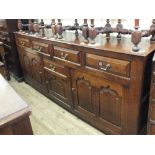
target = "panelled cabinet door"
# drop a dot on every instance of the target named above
(97, 98)
(59, 88)
(20, 53)
(26, 64)
(37, 69)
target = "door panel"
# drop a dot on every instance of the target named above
(110, 105)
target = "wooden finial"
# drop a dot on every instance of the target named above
(136, 37)
(92, 32)
(136, 22)
(36, 27)
(108, 28)
(119, 27)
(20, 25)
(59, 29)
(53, 27)
(85, 31)
(152, 30)
(30, 26)
(76, 24)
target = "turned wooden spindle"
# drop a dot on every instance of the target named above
(42, 27)
(53, 27)
(108, 28)
(119, 27)
(92, 32)
(59, 29)
(136, 36)
(152, 30)
(20, 25)
(30, 26)
(36, 27)
(85, 31)
(76, 24)
(42, 22)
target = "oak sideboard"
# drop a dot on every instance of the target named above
(106, 84)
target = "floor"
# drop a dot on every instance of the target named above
(48, 117)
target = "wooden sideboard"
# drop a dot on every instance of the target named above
(14, 112)
(106, 84)
(151, 115)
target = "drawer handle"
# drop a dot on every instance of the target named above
(63, 55)
(39, 49)
(105, 68)
(52, 67)
(22, 43)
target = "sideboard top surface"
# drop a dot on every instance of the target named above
(122, 47)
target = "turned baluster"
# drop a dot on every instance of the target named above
(85, 31)
(136, 36)
(76, 24)
(42, 22)
(36, 27)
(59, 29)
(92, 32)
(53, 27)
(108, 29)
(152, 30)
(42, 27)
(30, 26)
(20, 25)
(119, 27)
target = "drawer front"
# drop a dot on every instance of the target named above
(41, 48)
(67, 55)
(55, 69)
(112, 65)
(23, 42)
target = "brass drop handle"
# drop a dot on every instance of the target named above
(39, 49)
(22, 43)
(40, 72)
(52, 67)
(63, 55)
(104, 67)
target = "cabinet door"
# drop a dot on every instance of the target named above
(26, 64)
(59, 88)
(97, 98)
(36, 68)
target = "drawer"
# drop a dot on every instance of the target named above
(152, 115)
(54, 68)
(23, 42)
(112, 65)
(67, 55)
(41, 48)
